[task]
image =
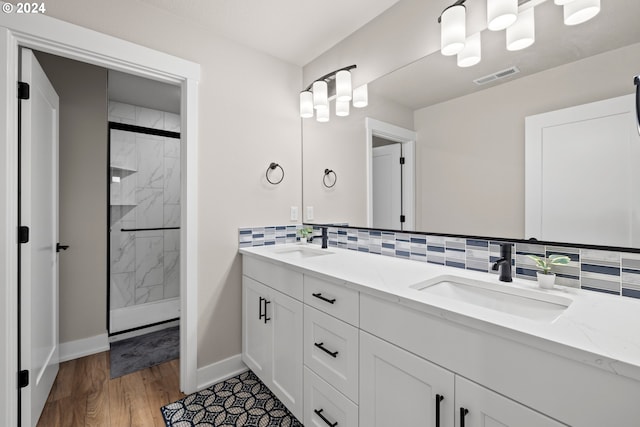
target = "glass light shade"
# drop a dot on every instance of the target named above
(501, 13)
(579, 11)
(306, 104)
(522, 33)
(453, 32)
(562, 2)
(361, 96)
(322, 114)
(343, 86)
(320, 98)
(342, 108)
(472, 52)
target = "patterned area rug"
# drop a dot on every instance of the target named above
(239, 401)
(134, 354)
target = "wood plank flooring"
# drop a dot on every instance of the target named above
(84, 395)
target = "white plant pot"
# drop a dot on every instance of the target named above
(303, 240)
(546, 281)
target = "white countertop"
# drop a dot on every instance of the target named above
(596, 329)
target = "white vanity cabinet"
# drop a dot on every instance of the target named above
(333, 353)
(398, 388)
(272, 327)
(481, 407)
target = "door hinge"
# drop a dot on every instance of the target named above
(402, 160)
(23, 379)
(23, 90)
(23, 234)
(402, 218)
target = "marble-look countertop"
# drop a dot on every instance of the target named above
(596, 329)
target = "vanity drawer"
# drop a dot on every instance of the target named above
(322, 400)
(336, 300)
(282, 279)
(331, 351)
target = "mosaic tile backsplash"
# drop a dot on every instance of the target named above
(616, 273)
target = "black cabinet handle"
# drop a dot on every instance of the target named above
(439, 398)
(319, 296)
(319, 413)
(260, 314)
(60, 247)
(463, 413)
(266, 319)
(321, 347)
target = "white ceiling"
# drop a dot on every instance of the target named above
(296, 31)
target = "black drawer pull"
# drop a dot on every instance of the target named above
(463, 413)
(321, 347)
(266, 319)
(319, 296)
(439, 398)
(319, 413)
(260, 314)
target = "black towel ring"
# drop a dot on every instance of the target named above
(328, 172)
(271, 167)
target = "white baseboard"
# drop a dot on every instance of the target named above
(144, 314)
(220, 371)
(84, 347)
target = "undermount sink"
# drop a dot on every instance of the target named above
(300, 252)
(527, 303)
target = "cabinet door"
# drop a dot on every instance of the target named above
(484, 408)
(285, 316)
(398, 388)
(256, 339)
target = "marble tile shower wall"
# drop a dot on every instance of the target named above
(144, 264)
(616, 273)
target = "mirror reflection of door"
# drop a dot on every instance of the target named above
(387, 184)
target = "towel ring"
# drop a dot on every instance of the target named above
(329, 172)
(271, 167)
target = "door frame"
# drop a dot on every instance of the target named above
(408, 139)
(50, 35)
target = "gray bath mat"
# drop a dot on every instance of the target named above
(147, 350)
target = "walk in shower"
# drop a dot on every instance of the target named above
(144, 283)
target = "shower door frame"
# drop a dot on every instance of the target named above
(136, 129)
(67, 40)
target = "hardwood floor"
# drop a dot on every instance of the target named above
(84, 395)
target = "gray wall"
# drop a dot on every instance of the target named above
(82, 89)
(340, 145)
(470, 151)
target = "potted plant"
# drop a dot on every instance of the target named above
(546, 278)
(305, 233)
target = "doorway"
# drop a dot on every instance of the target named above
(390, 176)
(57, 37)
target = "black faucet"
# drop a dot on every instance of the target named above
(504, 263)
(325, 238)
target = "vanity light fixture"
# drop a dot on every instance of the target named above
(503, 15)
(579, 11)
(472, 52)
(522, 33)
(361, 96)
(453, 30)
(335, 85)
(320, 95)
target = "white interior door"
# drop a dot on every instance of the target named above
(387, 186)
(582, 174)
(39, 259)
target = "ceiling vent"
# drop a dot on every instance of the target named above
(496, 76)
